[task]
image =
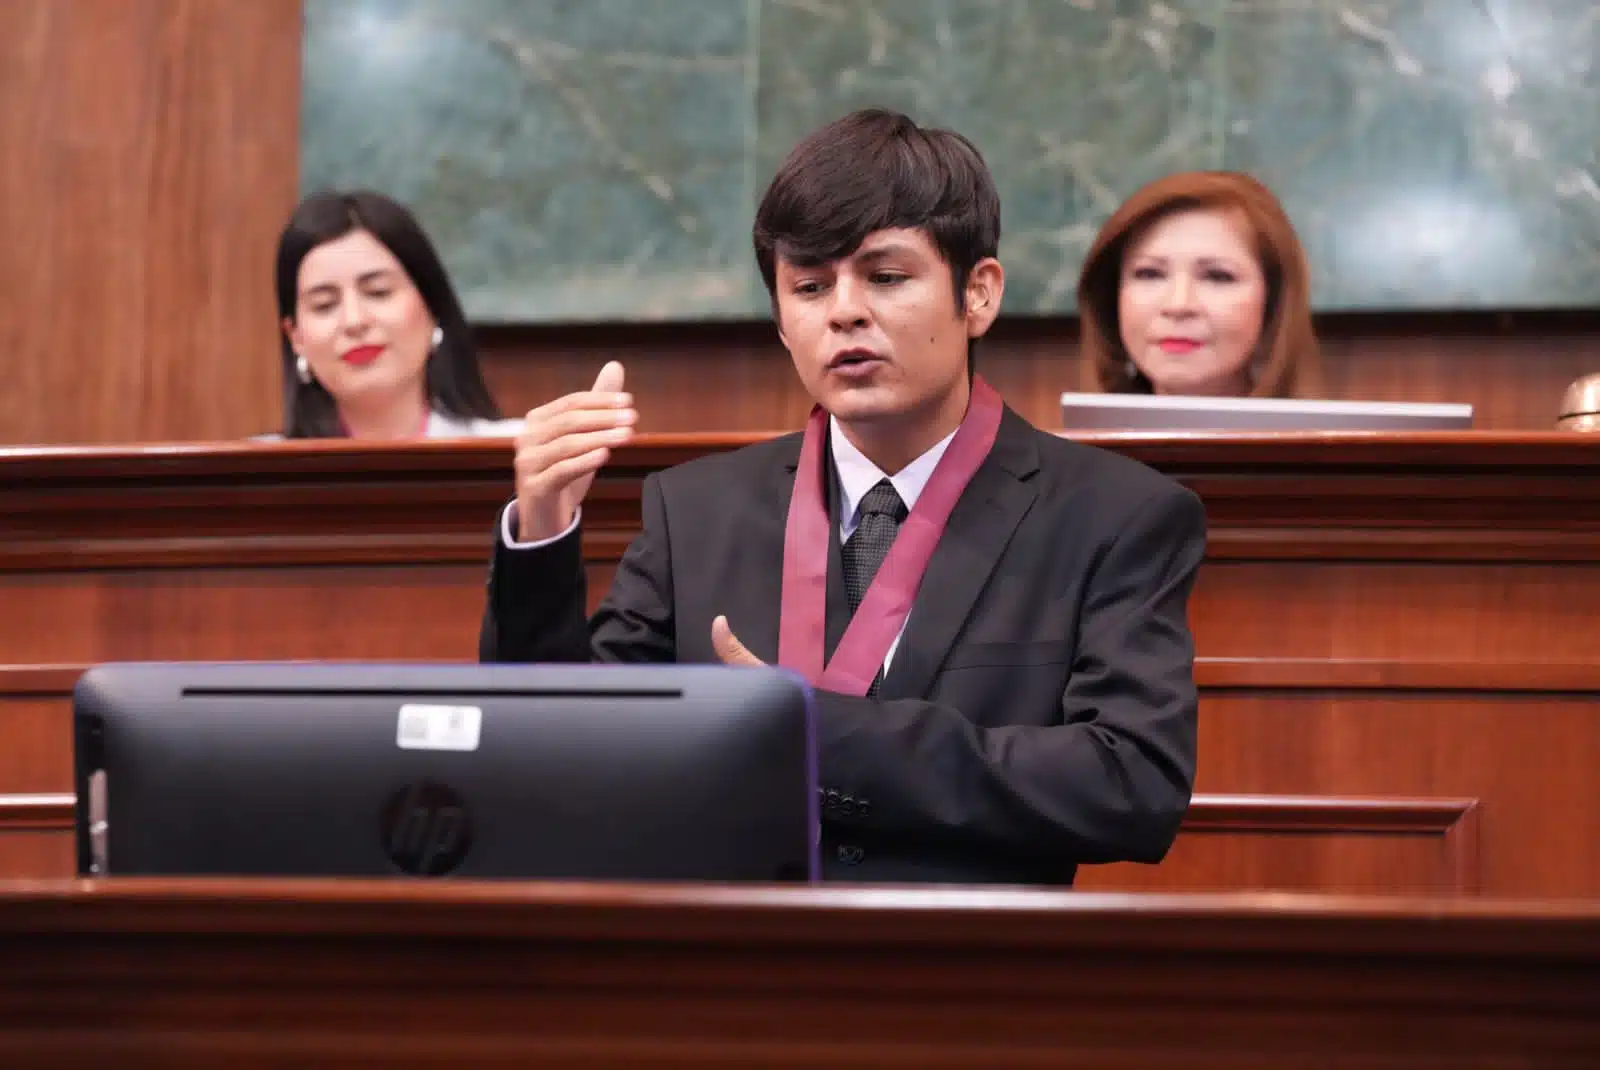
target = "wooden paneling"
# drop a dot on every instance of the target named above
(1315, 843)
(1528, 757)
(37, 852)
(35, 813)
(35, 736)
(150, 158)
(255, 610)
(1440, 613)
(36, 830)
(1397, 659)
(1512, 368)
(418, 974)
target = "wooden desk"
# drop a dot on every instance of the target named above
(1398, 650)
(331, 975)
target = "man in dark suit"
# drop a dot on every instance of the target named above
(995, 617)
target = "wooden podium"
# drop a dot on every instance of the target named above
(345, 974)
(1397, 650)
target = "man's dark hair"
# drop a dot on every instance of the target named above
(877, 170)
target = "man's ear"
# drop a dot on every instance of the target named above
(986, 286)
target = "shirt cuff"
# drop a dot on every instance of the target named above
(508, 530)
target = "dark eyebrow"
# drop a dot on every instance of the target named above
(884, 252)
(863, 260)
(371, 276)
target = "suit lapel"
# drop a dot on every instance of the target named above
(981, 525)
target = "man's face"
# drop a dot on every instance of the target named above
(877, 335)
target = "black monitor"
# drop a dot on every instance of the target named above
(662, 772)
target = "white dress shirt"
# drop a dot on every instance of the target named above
(443, 425)
(855, 475)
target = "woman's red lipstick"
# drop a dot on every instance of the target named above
(361, 356)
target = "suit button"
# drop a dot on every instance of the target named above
(849, 854)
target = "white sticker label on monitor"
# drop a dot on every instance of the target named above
(439, 727)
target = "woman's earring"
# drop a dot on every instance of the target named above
(438, 337)
(302, 370)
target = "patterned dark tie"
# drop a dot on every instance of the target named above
(881, 514)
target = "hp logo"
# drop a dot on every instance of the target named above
(425, 829)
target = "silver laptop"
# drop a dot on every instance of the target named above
(1150, 412)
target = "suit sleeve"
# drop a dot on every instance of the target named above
(1110, 783)
(538, 598)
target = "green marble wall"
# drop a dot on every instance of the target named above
(581, 160)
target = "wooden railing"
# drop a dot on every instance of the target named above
(337, 974)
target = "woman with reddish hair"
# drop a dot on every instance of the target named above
(1198, 285)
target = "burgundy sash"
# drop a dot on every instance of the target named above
(887, 603)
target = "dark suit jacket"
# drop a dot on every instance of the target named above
(1040, 710)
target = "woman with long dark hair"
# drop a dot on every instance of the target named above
(375, 344)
